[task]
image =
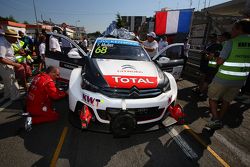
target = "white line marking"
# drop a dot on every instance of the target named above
(244, 157)
(182, 143)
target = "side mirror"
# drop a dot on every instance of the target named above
(74, 54)
(164, 60)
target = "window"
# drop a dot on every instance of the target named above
(118, 51)
(174, 52)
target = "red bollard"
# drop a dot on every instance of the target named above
(85, 117)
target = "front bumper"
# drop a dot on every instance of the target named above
(156, 106)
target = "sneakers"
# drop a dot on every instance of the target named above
(28, 121)
(215, 124)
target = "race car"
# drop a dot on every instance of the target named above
(171, 59)
(120, 89)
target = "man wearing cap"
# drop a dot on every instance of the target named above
(7, 64)
(150, 45)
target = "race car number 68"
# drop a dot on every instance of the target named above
(101, 50)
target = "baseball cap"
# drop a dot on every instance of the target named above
(151, 34)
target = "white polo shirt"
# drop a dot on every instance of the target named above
(153, 45)
(6, 50)
(54, 44)
(42, 49)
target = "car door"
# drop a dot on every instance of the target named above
(171, 59)
(70, 57)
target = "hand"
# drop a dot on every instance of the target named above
(17, 65)
(210, 56)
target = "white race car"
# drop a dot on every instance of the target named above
(122, 89)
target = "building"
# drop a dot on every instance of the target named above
(79, 32)
(71, 33)
(13, 25)
(31, 29)
(133, 23)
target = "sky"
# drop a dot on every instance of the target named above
(94, 15)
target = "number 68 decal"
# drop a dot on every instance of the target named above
(101, 50)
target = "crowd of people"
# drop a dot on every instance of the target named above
(22, 63)
(18, 56)
(225, 67)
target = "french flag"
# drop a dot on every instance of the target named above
(172, 22)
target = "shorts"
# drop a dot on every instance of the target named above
(218, 91)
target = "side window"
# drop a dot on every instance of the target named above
(174, 52)
(70, 52)
(65, 45)
(66, 51)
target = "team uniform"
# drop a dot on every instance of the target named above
(40, 96)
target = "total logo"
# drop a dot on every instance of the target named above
(130, 81)
(91, 100)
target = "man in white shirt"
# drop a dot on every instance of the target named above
(54, 45)
(42, 48)
(7, 64)
(84, 44)
(151, 45)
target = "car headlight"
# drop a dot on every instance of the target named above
(166, 87)
(88, 86)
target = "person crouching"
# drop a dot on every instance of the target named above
(41, 94)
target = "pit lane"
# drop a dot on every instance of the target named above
(52, 145)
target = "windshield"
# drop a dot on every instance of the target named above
(121, 50)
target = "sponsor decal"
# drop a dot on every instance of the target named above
(68, 66)
(91, 100)
(119, 42)
(106, 45)
(128, 69)
(127, 66)
(130, 81)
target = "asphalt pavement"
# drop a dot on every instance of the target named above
(60, 144)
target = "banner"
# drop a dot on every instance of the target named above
(172, 22)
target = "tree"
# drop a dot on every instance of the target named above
(10, 18)
(119, 22)
(95, 34)
(25, 22)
